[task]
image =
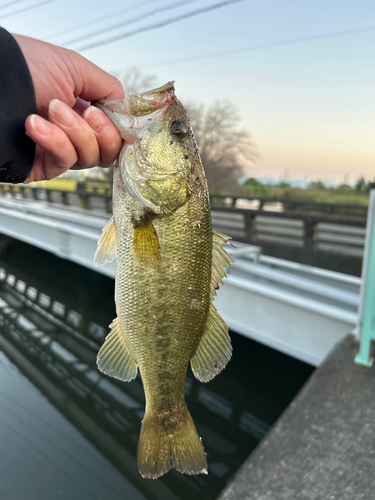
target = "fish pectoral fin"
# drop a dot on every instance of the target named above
(114, 358)
(214, 349)
(220, 260)
(146, 242)
(106, 250)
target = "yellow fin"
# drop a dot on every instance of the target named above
(114, 358)
(220, 259)
(106, 250)
(214, 349)
(146, 242)
(163, 445)
(221, 238)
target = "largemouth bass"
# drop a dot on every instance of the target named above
(169, 265)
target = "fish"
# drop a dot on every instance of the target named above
(169, 264)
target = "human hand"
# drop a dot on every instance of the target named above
(68, 132)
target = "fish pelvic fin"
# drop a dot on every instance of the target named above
(106, 250)
(214, 349)
(146, 242)
(114, 358)
(164, 446)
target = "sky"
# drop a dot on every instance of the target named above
(300, 73)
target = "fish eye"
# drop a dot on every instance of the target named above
(179, 128)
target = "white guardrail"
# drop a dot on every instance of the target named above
(300, 310)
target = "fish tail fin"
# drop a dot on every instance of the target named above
(161, 449)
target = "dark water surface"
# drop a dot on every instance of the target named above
(70, 433)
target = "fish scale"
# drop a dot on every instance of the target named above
(162, 238)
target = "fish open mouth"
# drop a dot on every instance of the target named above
(126, 113)
(164, 94)
(152, 100)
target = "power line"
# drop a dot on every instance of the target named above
(265, 46)
(100, 19)
(10, 3)
(26, 8)
(158, 25)
(129, 21)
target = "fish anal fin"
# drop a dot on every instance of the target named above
(146, 243)
(114, 358)
(106, 250)
(214, 349)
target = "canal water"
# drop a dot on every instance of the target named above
(70, 433)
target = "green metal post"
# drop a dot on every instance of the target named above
(367, 309)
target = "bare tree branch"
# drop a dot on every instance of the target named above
(222, 145)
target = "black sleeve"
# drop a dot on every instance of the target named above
(17, 101)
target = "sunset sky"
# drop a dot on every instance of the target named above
(301, 73)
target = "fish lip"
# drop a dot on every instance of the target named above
(148, 102)
(161, 96)
(166, 90)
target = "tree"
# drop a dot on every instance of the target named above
(360, 185)
(319, 185)
(223, 147)
(252, 186)
(363, 186)
(345, 189)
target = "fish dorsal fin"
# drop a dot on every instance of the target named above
(146, 243)
(114, 358)
(220, 260)
(106, 250)
(214, 349)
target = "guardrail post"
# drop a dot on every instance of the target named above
(84, 199)
(366, 315)
(249, 227)
(308, 240)
(65, 197)
(49, 193)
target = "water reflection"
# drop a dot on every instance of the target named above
(69, 432)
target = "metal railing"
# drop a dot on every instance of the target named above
(318, 234)
(288, 205)
(91, 200)
(333, 242)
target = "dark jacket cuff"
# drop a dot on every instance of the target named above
(17, 101)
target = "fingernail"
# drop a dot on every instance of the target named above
(96, 120)
(39, 125)
(62, 113)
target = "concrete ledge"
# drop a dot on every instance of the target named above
(323, 446)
